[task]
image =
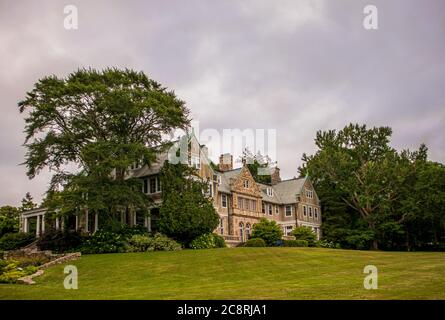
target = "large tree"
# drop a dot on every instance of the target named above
(187, 210)
(372, 194)
(356, 169)
(102, 122)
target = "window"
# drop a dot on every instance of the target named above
(277, 210)
(288, 230)
(153, 185)
(304, 211)
(145, 185)
(240, 203)
(309, 194)
(288, 211)
(269, 192)
(210, 191)
(158, 184)
(246, 184)
(241, 231)
(195, 162)
(310, 212)
(262, 208)
(246, 204)
(270, 209)
(224, 201)
(248, 230)
(316, 212)
(221, 226)
(253, 205)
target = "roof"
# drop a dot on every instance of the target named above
(225, 179)
(288, 190)
(284, 192)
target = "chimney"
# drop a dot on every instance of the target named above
(225, 162)
(275, 176)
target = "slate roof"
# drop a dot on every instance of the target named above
(284, 192)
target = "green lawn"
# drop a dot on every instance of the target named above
(243, 273)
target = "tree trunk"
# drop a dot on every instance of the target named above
(375, 245)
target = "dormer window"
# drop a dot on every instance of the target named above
(269, 192)
(246, 184)
(309, 194)
(195, 162)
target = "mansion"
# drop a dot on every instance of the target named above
(239, 200)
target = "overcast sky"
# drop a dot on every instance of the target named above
(294, 66)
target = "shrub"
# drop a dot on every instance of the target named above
(145, 243)
(164, 243)
(305, 233)
(328, 244)
(208, 241)
(255, 242)
(13, 241)
(59, 241)
(10, 271)
(267, 230)
(186, 212)
(104, 242)
(139, 243)
(295, 243)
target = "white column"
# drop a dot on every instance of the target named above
(43, 223)
(86, 220)
(38, 226)
(63, 223)
(77, 222)
(96, 222)
(25, 225)
(57, 223)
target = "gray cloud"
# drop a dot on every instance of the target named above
(296, 66)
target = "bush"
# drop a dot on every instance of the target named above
(13, 241)
(255, 242)
(139, 243)
(305, 233)
(164, 243)
(104, 242)
(267, 230)
(295, 243)
(10, 271)
(328, 244)
(208, 241)
(59, 241)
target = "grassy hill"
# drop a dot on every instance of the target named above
(243, 273)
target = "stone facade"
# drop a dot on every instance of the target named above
(239, 200)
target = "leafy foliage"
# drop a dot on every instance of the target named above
(11, 271)
(295, 243)
(186, 211)
(267, 230)
(305, 233)
(103, 122)
(208, 241)
(255, 242)
(59, 241)
(13, 241)
(374, 196)
(146, 243)
(104, 242)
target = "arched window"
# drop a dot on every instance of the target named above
(241, 231)
(247, 230)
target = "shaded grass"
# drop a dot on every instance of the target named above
(243, 273)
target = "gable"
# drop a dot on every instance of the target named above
(238, 183)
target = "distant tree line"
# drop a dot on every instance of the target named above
(373, 196)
